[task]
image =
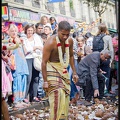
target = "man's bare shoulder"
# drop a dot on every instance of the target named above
(70, 40)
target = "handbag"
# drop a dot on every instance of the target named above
(37, 61)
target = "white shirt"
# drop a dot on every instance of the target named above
(29, 45)
(89, 41)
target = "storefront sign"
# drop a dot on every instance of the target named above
(18, 15)
(5, 12)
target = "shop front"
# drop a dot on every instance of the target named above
(18, 16)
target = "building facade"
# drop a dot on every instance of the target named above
(32, 10)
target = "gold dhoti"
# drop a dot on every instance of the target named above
(58, 91)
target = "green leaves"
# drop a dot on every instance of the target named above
(71, 4)
(98, 6)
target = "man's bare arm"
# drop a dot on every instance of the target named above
(46, 55)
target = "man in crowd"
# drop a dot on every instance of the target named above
(88, 72)
(47, 31)
(54, 70)
(38, 91)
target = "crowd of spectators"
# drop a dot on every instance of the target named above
(24, 82)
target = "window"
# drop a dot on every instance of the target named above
(108, 25)
(36, 3)
(19, 1)
(83, 18)
(72, 13)
(112, 26)
(91, 20)
(62, 8)
(50, 7)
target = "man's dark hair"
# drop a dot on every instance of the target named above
(64, 25)
(38, 24)
(43, 35)
(74, 35)
(88, 34)
(52, 18)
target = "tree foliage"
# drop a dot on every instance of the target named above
(98, 6)
(71, 4)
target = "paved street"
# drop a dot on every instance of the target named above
(43, 104)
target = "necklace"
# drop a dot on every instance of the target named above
(66, 62)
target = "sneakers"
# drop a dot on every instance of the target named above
(35, 99)
(105, 91)
(111, 92)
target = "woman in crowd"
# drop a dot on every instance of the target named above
(45, 21)
(20, 71)
(54, 25)
(108, 45)
(31, 45)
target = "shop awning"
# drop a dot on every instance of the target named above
(112, 30)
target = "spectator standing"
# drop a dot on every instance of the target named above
(114, 66)
(74, 92)
(31, 45)
(81, 48)
(47, 31)
(88, 43)
(108, 45)
(45, 21)
(54, 25)
(21, 72)
(37, 36)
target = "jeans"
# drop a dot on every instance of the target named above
(29, 77)
(116, 66)
(72, 85)
(41, 92)
(105, 67)
(32, 80)
(35, 82)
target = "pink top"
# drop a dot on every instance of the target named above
(6, 79)
(115, 42)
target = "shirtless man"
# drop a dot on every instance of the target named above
(54, 70)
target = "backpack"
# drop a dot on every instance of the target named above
(98, 43)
